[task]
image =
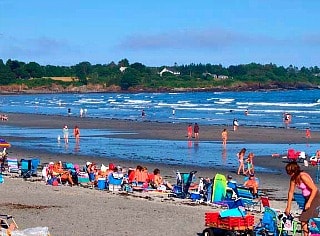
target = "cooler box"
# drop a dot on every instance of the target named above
(101, 183)
(83, 177)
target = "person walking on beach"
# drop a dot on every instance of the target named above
(143, 114)
(224, 136)
(196, 129)
(76, 133)
(240, 156)
(287, 119)
(189, 131)
(250, 168)
(65, 132)
(303, 181)
(235, 124)
(81, 112)
(308, 133)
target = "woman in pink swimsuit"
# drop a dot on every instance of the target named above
(310, 192)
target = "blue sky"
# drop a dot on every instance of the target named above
(156, 33)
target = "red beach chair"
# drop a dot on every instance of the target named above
(293, 155)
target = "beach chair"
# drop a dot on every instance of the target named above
(25, 167)
(314, 226)
(8, 222)
(35, 162)
(293, 155)
(13, 166)
(268, 225)
(248, 199)
(184, 183)
(29, 167)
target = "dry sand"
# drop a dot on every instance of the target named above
(82, 211)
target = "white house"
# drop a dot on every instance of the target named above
(123, 68)
(172, 71)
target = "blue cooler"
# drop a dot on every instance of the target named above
(1, 179)
(101, 183)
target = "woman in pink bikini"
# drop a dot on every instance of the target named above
(303, 181)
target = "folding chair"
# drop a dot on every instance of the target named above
(248, 200)
(13, 165)
(314, 226)
(7, 221)
(184, 184)
(25, 168)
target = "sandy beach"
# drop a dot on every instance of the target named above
(82, 211)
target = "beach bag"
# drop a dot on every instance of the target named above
(53, 181)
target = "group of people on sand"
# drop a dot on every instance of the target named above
(193, 131)
(138, 177)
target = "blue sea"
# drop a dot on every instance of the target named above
(265, 109)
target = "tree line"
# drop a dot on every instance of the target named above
(137, 75)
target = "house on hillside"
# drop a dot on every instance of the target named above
(123, 68)
(169, 70)
(222, 77)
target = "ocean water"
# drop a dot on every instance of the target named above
(265, 109)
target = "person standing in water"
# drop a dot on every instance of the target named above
(224, 136)
(76, 133)
(196, 129)
(240, 156)
(65, 132)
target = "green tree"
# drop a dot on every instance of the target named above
(82, 71)
(34, 70)
(130, 78)
(124, 63)
(6, 75)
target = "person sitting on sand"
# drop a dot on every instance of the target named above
(91, 170)
(252, 184)
(158, 181)
(65, 175)
(102, 173)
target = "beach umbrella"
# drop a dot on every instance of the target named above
(4, 144)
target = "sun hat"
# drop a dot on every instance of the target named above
(88, 163)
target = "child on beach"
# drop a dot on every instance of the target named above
(240, 156)
(303, 181)
(250, 168)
